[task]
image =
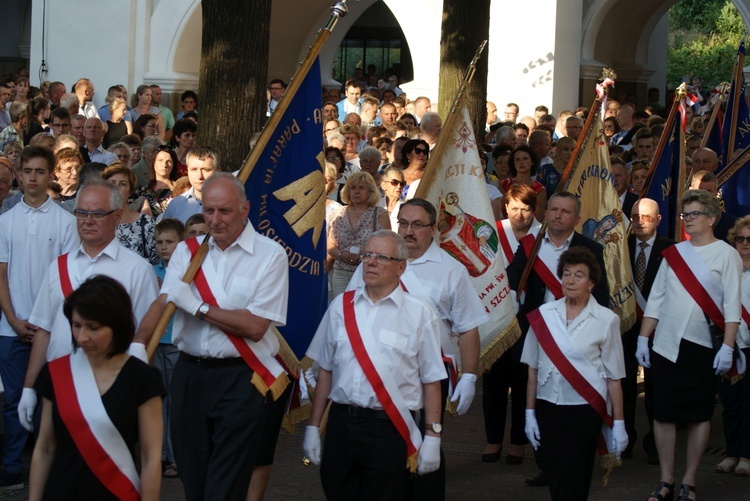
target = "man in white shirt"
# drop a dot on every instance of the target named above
(202, 162)
(219, 409)
(84, 91)
(32, 235)
(398, 334)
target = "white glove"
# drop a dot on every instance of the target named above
(26, 408)
(463, 393)
(532, 428)
(182, 296)
(138, 350)
(723, 359)
(642, 352)
(429, 455)
(311, 444)
(619, 437)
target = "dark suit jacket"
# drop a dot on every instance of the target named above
(654, 260)
(535, 287)
(721, 230)
(627, 204)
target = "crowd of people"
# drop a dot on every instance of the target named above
(103, 209)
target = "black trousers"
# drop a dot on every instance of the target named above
(217, 422)
(735, 399)
(507, 373)
(364, 457)
(568, 439)
(431, 487)
(630, 392)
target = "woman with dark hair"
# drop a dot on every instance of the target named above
(523, 165)
(183, 140)
(159, 190)
(501, 158)
(414, 156)
(141, 103)
(37, 111)
(696, 291)
(611, 127)
(146, 125)
(575, 360)
(189, 101)
(508, 373)
(735, 396)
(98, 402)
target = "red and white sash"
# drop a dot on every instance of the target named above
(415, 287)
(640, 303)
(97, 439)
(64, 263)
(508, 240)
(382, 383)
(574, 367)
(269, 375)
(60, 335)
(544, 264)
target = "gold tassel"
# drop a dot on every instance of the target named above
(498, 346)
(608, 462)
(294, 417)
(276, 389)
(411, 462)
(287, 355)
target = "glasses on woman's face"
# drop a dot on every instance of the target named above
(741, 239)
(421, 151)
(691, 216)
(395, 182)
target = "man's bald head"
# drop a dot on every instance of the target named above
(705, 159)
(645, 218)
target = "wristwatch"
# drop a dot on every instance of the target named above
(436, 428)
(201, 313)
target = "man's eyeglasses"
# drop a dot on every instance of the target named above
(95, 215)
(380, 258)
(415, 225)
(641, 217)
(421, 151)
(691, 216)
(396, 182)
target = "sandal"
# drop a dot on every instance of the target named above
(169, 470)
(742, 469)
(669, 496)
(685, 491)
(726, 466)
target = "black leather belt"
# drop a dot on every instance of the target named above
(362, 412)
(211, 362)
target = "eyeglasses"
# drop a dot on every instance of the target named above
(691, 216)
(95, 215)
(741, 239)
(60, 125)
(380, 258)
(395, 182)
(421, 151)
(68, 170)
(642, 217)
(415, 225)
(163, 147)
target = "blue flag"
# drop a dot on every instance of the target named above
(286, 190)
(663, 187)
(735, 191)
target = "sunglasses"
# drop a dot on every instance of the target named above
(395, 182)
(421, 151)
(741, 239)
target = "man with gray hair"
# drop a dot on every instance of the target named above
(573, 127)
(69, 101)
(56, 91)
(430, 127)
(223, 328)
(98, 211)
(14, 132)
(379, 353)
(145, 165)
(93, 134)
(369, 161)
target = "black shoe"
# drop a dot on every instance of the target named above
(11, 482)
(491, 457)
(540, 480)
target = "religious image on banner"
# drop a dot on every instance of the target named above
(456, 186)
(602, 220)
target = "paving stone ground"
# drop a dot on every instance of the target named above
(470, 479)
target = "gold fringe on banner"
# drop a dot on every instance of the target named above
(498, 346)
(276, 389)
(608, 462)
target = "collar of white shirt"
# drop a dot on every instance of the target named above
(396, 296)
(42, 208)
(565, 244)
(431, 254)
(246, 240)
(110, 251)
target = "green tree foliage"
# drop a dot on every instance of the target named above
(704, 36)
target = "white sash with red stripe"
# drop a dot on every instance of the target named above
(545, 265)
(260, 356)
(97, 439)
(410, 283)
(381, 380)
(573, 365)
(60, 343)
(508, 241)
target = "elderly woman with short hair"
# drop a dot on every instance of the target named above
(697, 288)
(352, 225)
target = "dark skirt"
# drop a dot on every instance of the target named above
(684, 391)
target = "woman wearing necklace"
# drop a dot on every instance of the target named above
(575, 360)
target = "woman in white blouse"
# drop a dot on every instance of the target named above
(735, 397)
(575, 360)
(683, 360)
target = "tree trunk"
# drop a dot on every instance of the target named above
(462, 31)
(233, 71)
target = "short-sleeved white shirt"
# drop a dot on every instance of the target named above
(30, 239)
(405, 328)
(595, 332)
(114, 261)
(447, 285)
(254, 272)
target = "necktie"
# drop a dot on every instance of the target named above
(640, 266)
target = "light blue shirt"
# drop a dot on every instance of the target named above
(184, 206)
